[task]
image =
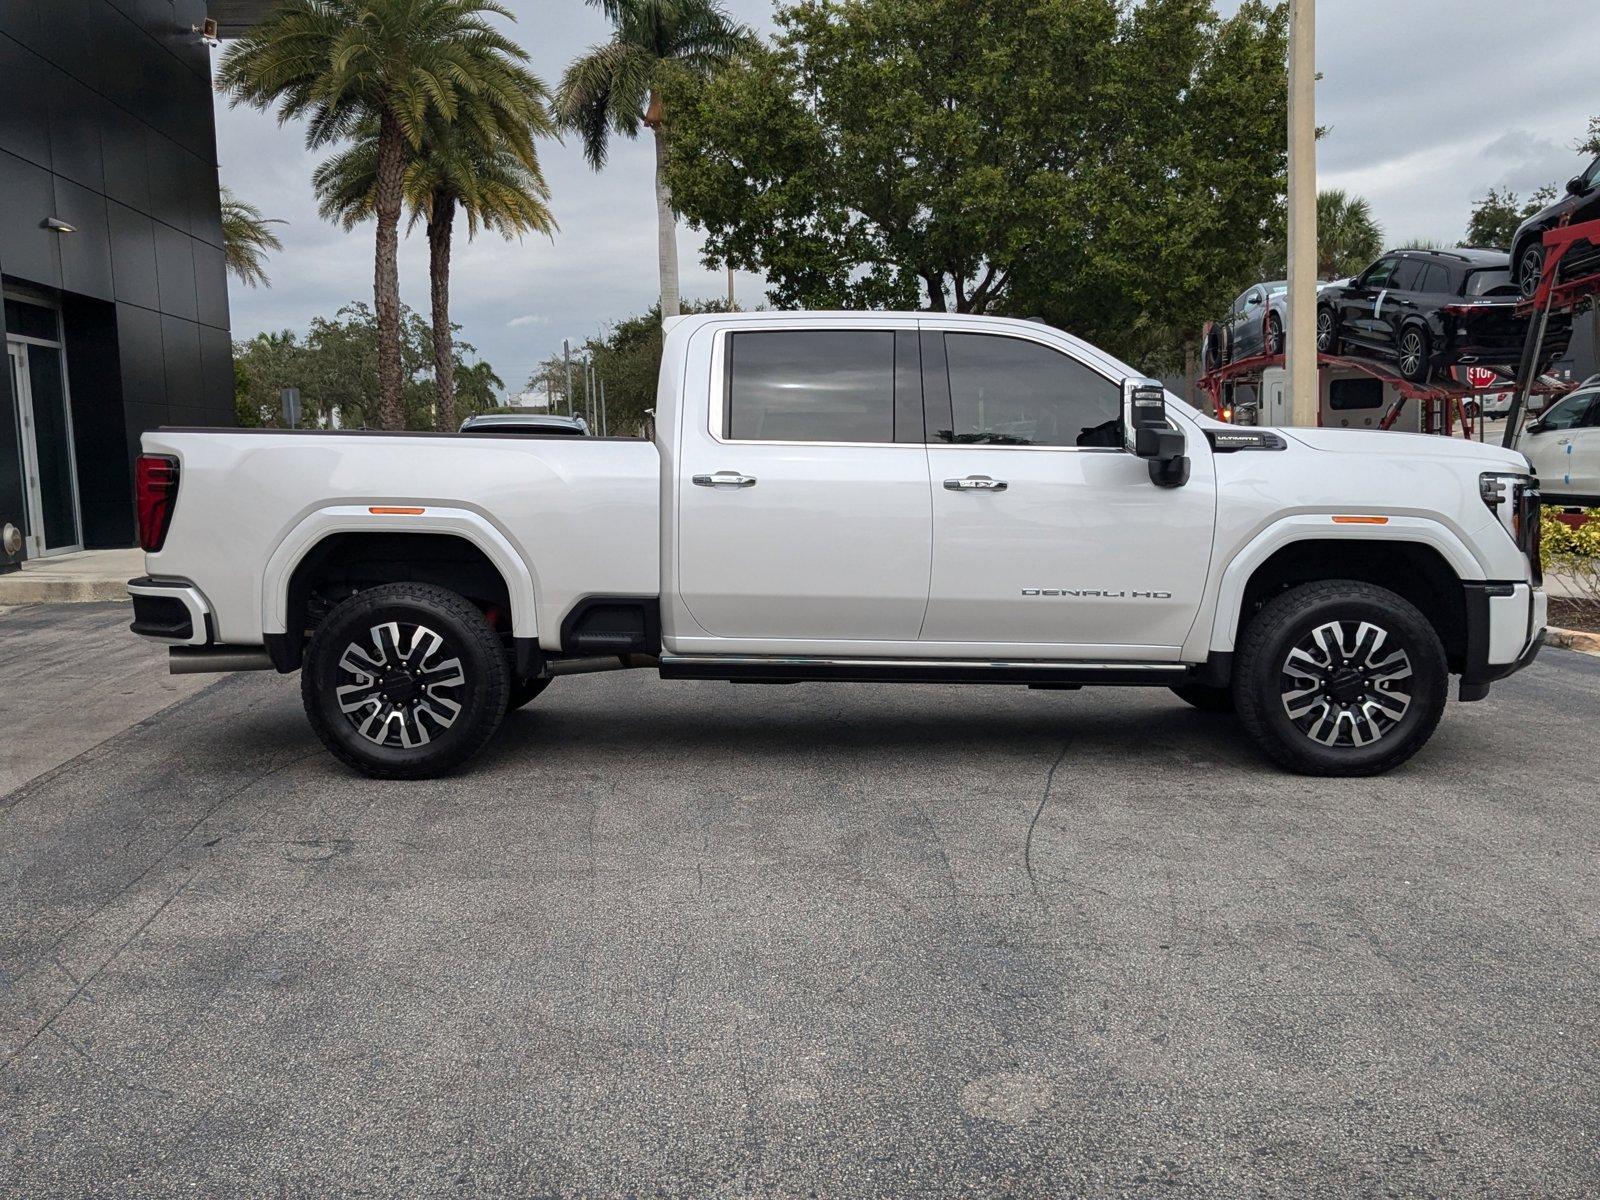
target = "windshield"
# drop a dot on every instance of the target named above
(1484, 283)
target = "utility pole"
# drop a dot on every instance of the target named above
(566, 361)
(730, 287)
(605, 428)
(1300, 350)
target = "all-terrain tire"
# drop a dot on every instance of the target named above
(1271, 679)
(405, 681)
(1206, 697)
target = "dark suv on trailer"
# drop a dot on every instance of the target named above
(1429, 310)
(1581, 203)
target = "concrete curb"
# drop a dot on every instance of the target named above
(1573, 639)
(23, 588)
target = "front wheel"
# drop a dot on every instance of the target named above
(1340, 678)
(405, 681)
(1272, 339)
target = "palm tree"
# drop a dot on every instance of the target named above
(496, 184)
(615, 87)
(1347, 236)
(403, 64)
(246, 239)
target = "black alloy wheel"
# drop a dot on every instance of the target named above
(405, 681)
(1413, 354)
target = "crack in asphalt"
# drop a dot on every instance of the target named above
(1027, 842)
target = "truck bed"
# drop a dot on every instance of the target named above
(583, 513)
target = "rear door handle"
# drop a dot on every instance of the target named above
(975, 483)
(725, 479)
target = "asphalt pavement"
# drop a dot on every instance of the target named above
(706, 940)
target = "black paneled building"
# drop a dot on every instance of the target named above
(116, 299)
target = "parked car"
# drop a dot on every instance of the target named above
(1580, 203)
(1253, 324)
(1428, 310)
(886, 497)
(1564, 447)
(533, 424)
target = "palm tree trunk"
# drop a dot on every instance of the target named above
(440, 222)
(386, 270)
(666, 234)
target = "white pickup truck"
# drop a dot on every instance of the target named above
(886, 497)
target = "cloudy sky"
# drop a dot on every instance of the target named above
(1429, 104)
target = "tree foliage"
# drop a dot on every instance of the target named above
(1591, 142)
(335, 367)
(1348, 237)
(1100, 165)
(1495, 218)
(406, 66)
(246, 239)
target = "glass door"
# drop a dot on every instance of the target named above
(38, 381)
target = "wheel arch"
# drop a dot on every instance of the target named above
(1417, 558)
(358, 545)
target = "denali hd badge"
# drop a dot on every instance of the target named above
(1102, 593)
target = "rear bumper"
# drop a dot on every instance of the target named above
(170, 611)
(1505, 630)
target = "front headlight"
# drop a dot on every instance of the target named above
(1514, 499)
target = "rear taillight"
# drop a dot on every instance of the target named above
(155, 490)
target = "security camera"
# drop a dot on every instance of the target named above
(207, 30)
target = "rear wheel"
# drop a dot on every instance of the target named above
(1340, 678)
(1412, 354)
(1530, 269)
(405, 681)
(1327, 331)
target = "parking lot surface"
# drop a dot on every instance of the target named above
(847, 941)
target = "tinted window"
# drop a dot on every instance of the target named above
(811, 386)
(1435, 278)
(31, 320)
(1010, 392)
(1377, 275)
(1568, 413)
(1495, 281)
(1346, 394)
(1406, 274)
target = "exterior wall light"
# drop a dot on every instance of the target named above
(57, 225)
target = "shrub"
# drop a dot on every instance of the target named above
(1573, 552)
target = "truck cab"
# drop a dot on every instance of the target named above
(897, 497)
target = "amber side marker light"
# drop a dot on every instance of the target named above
(382, 511)
(1361, 520)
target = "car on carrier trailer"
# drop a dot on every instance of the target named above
(888, 497)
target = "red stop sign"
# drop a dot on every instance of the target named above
(1480, 377)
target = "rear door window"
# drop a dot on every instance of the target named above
(803, 385)
(1407, 274)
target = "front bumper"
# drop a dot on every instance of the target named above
(1505, 630)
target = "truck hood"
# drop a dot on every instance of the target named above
(1374, 443)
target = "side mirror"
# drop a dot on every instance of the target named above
(1575, 186)
(1146, 433)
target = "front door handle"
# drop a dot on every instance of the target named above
(726, 479)
(975, 483)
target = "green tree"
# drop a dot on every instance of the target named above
(404, 64)
(334, 366)
(1096, 164)
(1495, 218)
(618, 86)
(246, 239)
(496, 183)
(1348, 238)
(1591, 143)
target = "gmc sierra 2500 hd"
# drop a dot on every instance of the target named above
(919, 498)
